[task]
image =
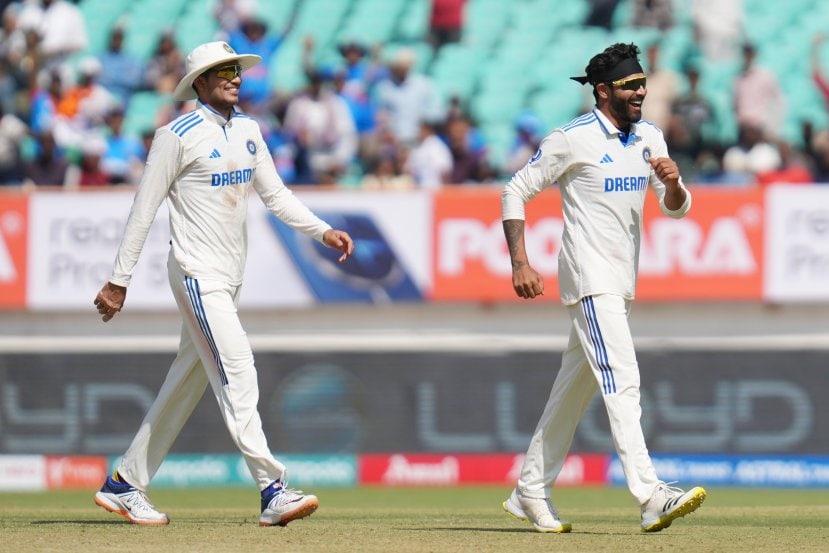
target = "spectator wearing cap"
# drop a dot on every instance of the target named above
(89, 171)
(407, 97)
(121, 72)
(362, 66)
(528, 135)
(322, 129)
(254, 36)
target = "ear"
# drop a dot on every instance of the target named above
(199, 82)
(603, 90)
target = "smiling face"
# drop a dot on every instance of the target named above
(219, 87)
(621, 100)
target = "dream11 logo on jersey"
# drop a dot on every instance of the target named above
(14, 217)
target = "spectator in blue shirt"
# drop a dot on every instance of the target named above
(121, 73)
(253, 37)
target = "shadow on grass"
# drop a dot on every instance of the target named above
(84, 522)
(514, 531)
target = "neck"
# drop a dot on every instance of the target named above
(223, 109)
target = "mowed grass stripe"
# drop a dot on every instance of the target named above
(441, 520)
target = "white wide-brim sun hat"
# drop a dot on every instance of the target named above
(205, 56)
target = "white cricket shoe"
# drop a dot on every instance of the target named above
(668, 503)
(539, 512)
(281, 505)
(124, 499)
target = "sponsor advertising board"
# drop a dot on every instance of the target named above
(797, 244)
(56, 248)
(725, 470)
(331, 403)
(14, 249)
(715, 252)
(73, 238)
(412, 469)
(192, 470)
(38, 472)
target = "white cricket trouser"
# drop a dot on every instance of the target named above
(599, 355)
(214, 348)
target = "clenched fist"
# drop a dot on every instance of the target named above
(110, 300)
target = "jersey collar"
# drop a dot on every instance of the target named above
(212, 115)
(611, 130)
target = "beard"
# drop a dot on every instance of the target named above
(623, 112)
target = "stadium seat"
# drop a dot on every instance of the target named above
(142, 111)
(414, 22)
(455, 70)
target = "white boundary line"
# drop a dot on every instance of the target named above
(418, 342)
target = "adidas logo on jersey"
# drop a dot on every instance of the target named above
(214, 154)
(606, 159)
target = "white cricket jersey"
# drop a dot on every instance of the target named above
(603, 180)
(204, 165)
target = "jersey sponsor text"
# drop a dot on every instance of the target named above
(625, 184)
(230, 178)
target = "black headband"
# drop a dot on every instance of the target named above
(628, 66)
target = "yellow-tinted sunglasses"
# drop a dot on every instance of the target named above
(228, 72)
(631, 83)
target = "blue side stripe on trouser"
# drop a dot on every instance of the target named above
(198, 309)
(608, 381)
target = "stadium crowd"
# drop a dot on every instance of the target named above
(373, 118)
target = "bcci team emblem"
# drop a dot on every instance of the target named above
(251, 147)
(646, 154)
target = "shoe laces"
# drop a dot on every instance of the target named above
(552, 507)
(669, 490)
(547, 504)
(140, 501)
(285, 496)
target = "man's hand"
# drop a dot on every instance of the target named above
(110, 300)
(339, 240)
(666, 169)
(527, 282)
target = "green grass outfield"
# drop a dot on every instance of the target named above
(415, 520)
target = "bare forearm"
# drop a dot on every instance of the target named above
(514, 233)
(674, 197)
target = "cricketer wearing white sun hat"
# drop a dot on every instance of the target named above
(207, 56)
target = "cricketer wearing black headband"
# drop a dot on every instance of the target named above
(604, 162)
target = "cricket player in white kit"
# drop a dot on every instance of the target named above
(604, 162)
(204, 164)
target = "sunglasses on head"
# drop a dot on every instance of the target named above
(228, 72)
(631, 83)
